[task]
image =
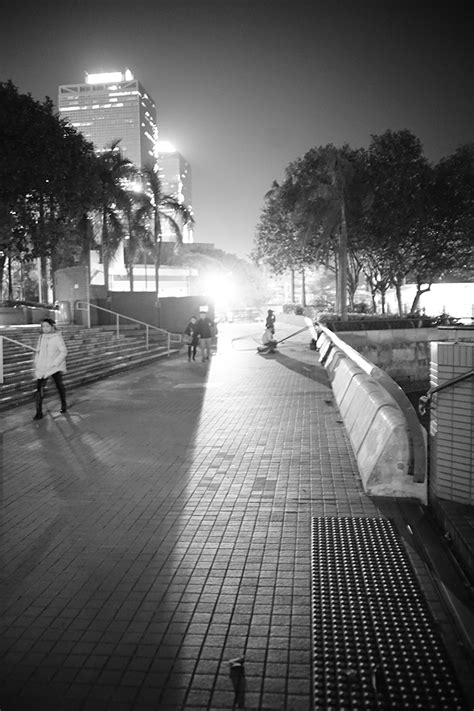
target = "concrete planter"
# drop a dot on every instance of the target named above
(21, 315)
(10, 316)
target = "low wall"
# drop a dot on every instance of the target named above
(10, 316)
(386, 436)
(173, 315)
(405, 353)
(23, 315)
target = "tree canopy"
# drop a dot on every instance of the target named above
(47, 178)
(384, 211)
(59, 199)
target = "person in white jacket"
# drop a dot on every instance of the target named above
(50, 360)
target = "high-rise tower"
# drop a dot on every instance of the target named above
(175, 176)
(113, 106)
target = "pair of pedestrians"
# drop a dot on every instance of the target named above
(199, 332)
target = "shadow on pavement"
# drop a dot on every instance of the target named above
(92, 566)
(314, 372)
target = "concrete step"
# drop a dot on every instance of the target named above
(15, 356)
(78, 357)
(13, 374)
(19, 393)
(93, 354)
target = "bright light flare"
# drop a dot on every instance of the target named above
(135, 186)
(222, 290)
(166, 147)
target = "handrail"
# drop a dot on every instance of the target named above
(18, 343)
(424, 401)
(86, 305)
(417, 431)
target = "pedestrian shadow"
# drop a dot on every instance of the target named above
(314, 372)
(102, 504)
(237, 677)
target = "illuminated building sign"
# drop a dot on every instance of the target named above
(109, 77)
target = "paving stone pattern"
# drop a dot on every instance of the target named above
(162, 528)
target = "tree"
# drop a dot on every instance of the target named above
(159, 208)
(44, 175)
(113, 171)
(137, 240)
(396, 209)
(319, 190)
(279, 242)
(385, 212)
(277, 237)
(418, 217)
(445, 238)
(314, 217)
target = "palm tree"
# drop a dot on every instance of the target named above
(113, 172)
(138, 236)
(160, 208)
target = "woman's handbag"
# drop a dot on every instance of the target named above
(187, 339)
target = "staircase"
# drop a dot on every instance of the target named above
(93, 353)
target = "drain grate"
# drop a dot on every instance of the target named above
(375, 644)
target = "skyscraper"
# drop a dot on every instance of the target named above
(175, 174)
(113, 106)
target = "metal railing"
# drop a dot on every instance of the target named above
(175, 337)
(425, 400)
(18, 343)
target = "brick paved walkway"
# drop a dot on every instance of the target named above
(162, 528)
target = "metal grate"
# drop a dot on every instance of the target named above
(375, 644)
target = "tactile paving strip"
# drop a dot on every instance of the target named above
(375, 644)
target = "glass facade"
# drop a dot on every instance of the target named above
(175, 175)
(113, 106)
(105, 112)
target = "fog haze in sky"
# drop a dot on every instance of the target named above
(243, 88)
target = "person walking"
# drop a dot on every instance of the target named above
(50, 360)
(205, 331)
(191, 338)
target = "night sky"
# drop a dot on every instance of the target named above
(243, 88)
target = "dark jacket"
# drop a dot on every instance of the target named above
(205, 328)
(190, 330)
(270, 322)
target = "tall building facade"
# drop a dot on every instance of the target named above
(113, 106)
(175, 174)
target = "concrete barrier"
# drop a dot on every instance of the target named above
(386, 436)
